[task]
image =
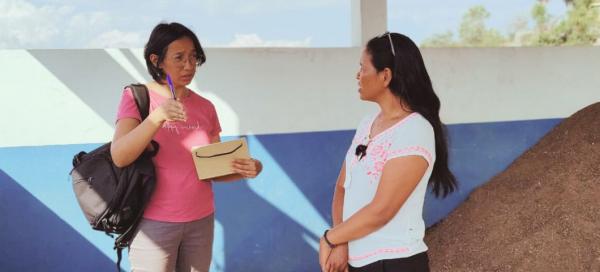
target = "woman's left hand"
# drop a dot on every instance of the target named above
(247, 168)
(338, 259)
(324, 252)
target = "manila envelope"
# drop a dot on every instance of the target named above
(214, 160)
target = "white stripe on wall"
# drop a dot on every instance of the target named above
(38, 109)
(70, 96)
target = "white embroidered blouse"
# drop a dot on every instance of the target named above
(403, 235)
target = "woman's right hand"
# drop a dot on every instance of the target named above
(169, 110)
(338, 259)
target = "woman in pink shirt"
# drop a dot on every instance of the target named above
(176, 231)
(377, 206)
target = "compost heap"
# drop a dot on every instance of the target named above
(541, 214)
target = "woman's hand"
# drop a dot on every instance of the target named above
(169, 110)
(338, 259)
(247, 168)
(324, 253)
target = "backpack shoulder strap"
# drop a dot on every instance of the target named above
(142, 99)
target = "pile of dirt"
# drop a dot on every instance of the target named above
(541, 214)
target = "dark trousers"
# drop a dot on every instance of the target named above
(415, 263)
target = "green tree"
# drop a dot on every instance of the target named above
(580, 26)
(541, 17)
(543, 25)
(440, 40)
(472, 32)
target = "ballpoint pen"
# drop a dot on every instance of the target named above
(171, 87)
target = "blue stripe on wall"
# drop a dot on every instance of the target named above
(37, 177)
(33, 238)
(268, 224)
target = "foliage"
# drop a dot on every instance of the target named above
(580, 26)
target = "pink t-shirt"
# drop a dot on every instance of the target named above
(179, 195)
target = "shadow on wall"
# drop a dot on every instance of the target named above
(93, 75)
(260, 236)
(34, 238)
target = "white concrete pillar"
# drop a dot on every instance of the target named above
(369, 19)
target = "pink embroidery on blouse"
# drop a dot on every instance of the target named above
(411, 150)
(381, 153)
(379, 251)
(378, 149)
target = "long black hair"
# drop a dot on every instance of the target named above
(162, 35)
(411, 83)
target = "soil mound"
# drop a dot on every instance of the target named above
(541, 214)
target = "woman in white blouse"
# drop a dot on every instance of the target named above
(395, 154)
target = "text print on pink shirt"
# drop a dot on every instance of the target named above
(173, 127)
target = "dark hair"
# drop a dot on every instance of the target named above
(411, 83)
(162, 35)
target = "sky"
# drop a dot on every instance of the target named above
(35, 24)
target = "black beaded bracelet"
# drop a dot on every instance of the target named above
(327, 240)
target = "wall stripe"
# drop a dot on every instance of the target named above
(264, 91)
(281, 213)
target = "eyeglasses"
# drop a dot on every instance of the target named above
(361, 151)
(389, 35)
(180, 61)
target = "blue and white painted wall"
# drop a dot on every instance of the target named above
(298, 108)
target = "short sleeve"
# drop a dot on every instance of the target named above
(127, 107)
(216, 126)
(417, 139)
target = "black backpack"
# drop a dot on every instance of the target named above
(113, 199)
